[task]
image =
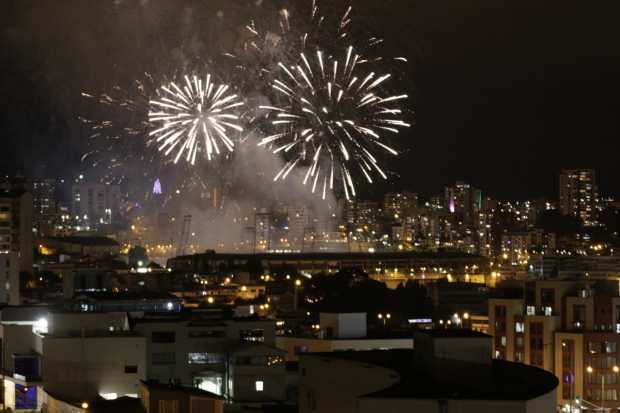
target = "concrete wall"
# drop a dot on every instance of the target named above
(15, 339)
(315, 345)
(543, 404)
(75, 367)
(245, 377)
(344, 325)
(151, 396)
(474, 350)
(65, 323)
(329, 385)
(54, 405)
(9, 277)
(550, 325)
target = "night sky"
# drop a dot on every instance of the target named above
(506, 93)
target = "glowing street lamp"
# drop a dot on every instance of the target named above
(590, 370)
(385, 317)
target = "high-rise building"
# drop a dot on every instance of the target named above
(464, 201)
(397, 204)
(298, 221)
(95, 203)
(16, 226)
(45, 206)
(579, 194)
(44, 200)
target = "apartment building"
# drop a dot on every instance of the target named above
(568, 327)
(234, 358)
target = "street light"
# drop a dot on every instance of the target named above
(385, 317)
(590, 370)
(296, 297)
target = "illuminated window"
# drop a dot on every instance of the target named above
(259, 385)
(205, 358)
(519, 327)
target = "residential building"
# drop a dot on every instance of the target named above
(96, 203)
(568, 327)
(70, 357)
(464, 201)
(399, 204)
(298, 222)
(579, 194)
(16, 226)
(233, 358)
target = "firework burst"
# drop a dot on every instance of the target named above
(334, 119)
(193, 117)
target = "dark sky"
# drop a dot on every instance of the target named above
(506, 93)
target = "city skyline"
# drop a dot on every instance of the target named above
(226, 206)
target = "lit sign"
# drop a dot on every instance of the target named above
(420, 320)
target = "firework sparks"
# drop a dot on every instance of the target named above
(334, 120)
(192, 117)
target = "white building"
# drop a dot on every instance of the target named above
(234, 358)
(68, 356)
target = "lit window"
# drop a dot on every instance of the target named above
(259, 385)
(531, 310)
(40, 326)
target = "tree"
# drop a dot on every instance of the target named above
(137, 254)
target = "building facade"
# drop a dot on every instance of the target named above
(579, 194)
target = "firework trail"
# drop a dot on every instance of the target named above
(331, 111)
(124, 150)
(192, 118)
(334, 119)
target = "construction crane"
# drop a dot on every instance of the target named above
(184, 239)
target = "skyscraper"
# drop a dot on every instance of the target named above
(464, 201)
(44, 196)
(579, 194)
(45, 205)
(397, 204)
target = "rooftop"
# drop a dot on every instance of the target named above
(154, 384)
(87, 241)
(454, 333)
(336, 255)
(507, 380)
(127, 295)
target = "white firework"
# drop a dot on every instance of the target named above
(334, 119)
(194, 117)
